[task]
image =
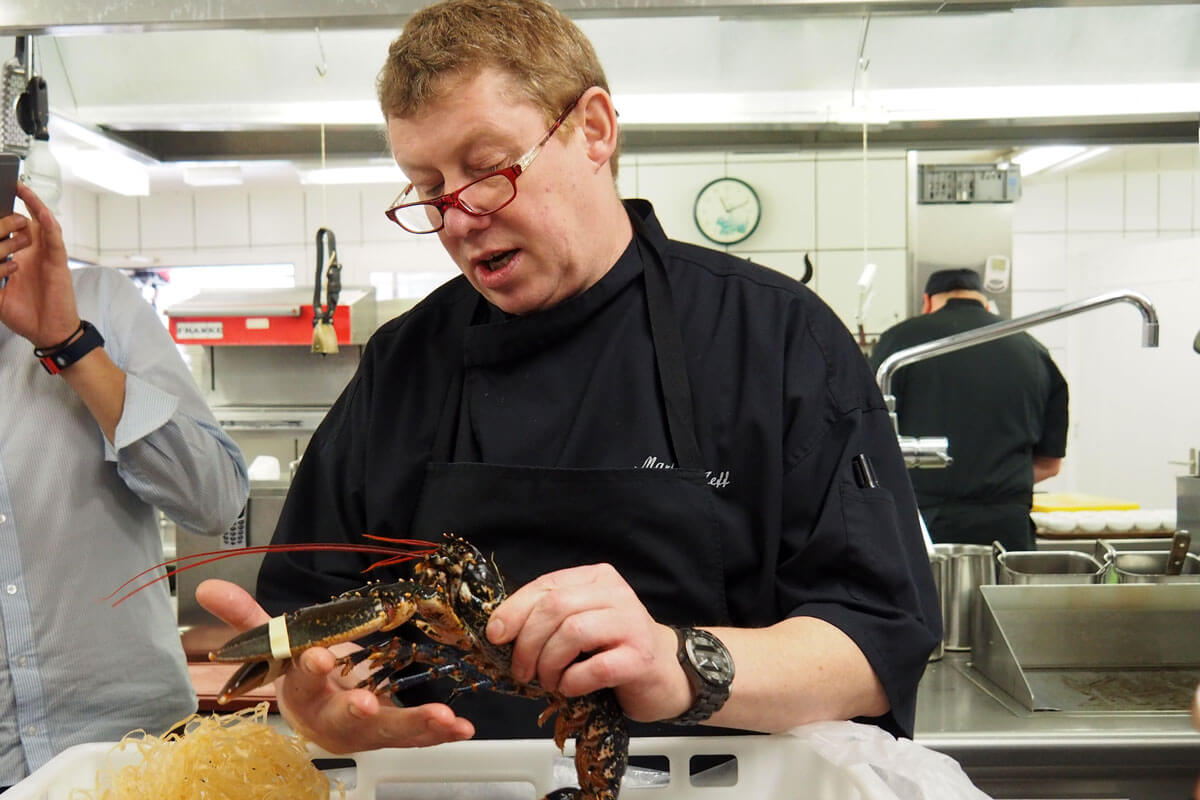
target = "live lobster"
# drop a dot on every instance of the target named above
(451, 595)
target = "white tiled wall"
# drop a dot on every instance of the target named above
(222, 219)
(812, 204)
(1127, 220)
(1130, 220)
(168, 223)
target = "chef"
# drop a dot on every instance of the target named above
(1002, 405)
(658, 442)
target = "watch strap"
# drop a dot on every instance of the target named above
(56, 359)
(709, 697)
(703, 708)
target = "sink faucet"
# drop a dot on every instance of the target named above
(932, 451)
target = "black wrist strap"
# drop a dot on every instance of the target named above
(56, 359)
(42, 352)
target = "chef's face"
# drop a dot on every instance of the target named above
(538, 250)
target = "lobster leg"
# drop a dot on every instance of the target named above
(390, 659)
(601, 744)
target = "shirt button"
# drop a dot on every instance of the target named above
(11, 588)
(3, 519)
(22, 661)
(31, 730)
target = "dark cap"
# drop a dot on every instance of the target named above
(947, 280)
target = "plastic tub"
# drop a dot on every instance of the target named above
(766, 767)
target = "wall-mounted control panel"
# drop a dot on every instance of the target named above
(968, 183)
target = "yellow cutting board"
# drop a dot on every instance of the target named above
(1078, 501)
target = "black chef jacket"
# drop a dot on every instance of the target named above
(1000, 403)
(783, 401)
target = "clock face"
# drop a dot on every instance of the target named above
(727, 211)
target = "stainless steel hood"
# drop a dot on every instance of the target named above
(62, 16)
(205, 80)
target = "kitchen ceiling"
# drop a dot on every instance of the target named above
(177, 82)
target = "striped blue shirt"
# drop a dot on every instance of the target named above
(77, 519)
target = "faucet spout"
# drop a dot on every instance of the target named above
(948, 344)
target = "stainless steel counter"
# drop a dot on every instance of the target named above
(1011, 752)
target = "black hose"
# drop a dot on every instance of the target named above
(333, 279)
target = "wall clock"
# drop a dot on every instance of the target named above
(727, 210)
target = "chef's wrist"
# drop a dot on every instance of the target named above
(708, 666)
(679, 694)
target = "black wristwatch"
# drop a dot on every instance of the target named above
(709, 668)
(55, 360)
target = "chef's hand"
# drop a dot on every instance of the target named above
(38, 301)
(582, 629)
(317, 703)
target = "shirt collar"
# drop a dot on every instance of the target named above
(502, 336)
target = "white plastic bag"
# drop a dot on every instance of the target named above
(912, 771)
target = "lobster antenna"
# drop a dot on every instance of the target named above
(198, 559)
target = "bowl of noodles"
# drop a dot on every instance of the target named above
(238, 756)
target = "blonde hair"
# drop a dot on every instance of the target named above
(548, 56)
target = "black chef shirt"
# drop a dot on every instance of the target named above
(1000, 403)
(783, 401)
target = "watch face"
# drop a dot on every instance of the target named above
(727, 210)
(710, 657)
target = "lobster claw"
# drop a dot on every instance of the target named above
(266, 649)
(248, 677)
(340, 620)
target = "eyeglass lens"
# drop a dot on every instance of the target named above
(484, 196)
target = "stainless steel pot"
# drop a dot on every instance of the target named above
(938, 563)
(968, 566)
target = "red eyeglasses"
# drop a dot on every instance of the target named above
(480, 197)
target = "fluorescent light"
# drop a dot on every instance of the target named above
(1037, 159)
(1088, 155)
(212, 176)
(347, 175)
(110, 171)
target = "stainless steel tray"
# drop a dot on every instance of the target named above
(1026, 567)
(1150, 566)
(1090, 647)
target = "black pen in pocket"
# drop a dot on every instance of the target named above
(864, 472)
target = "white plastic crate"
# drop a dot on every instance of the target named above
(767, 768)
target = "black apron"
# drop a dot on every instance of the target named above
(657, 527)
(981, 523)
